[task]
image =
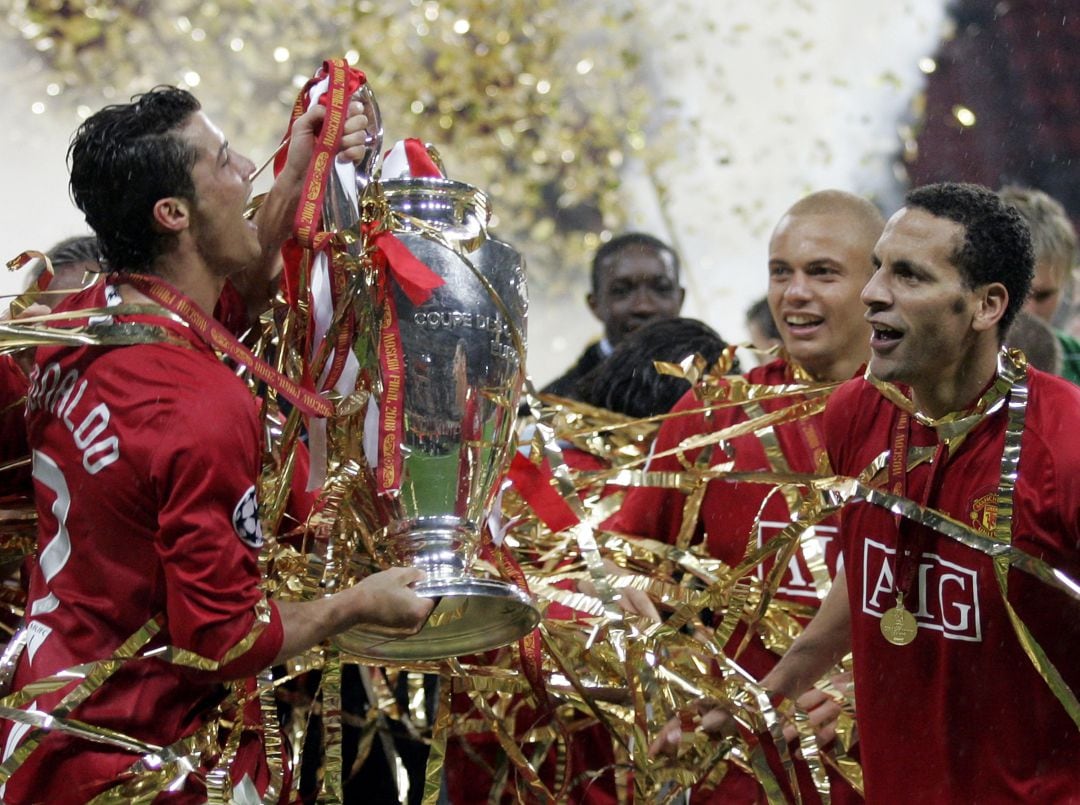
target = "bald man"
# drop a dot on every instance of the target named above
(819, 261)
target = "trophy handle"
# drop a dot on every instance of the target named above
(368, 166)
(349, 180)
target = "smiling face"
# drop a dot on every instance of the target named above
(818, 263)
(225, 240)
(931, 330)
(636, 285)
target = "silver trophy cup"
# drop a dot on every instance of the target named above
(462, 354)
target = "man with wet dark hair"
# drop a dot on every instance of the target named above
(635, 280)
(146, 463)
(958, 595)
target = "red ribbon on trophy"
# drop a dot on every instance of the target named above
(343, 82)
(306, 251)
(312, 269)
(410, 157)
(389, 256)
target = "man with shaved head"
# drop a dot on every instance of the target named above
(819, 261)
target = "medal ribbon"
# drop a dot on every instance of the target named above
(909, 546)
(217, 337)
(343, 342)
(343, 82)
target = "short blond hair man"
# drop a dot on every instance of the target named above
(1054, 240)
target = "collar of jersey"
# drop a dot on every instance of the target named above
(1011, 368)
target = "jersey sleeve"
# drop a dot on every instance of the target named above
(204, 471)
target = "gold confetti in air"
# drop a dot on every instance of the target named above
(537, 101)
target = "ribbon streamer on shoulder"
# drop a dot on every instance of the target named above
(220, 339)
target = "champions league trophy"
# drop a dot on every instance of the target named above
(461, 355)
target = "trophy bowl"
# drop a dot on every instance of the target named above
(473, 613)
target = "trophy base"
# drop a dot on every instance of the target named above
(472, 615)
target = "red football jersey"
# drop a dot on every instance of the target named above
(729, 508)
(727, 516)
(145, 464)
(961, 715)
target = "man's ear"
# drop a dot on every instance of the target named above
(992, 302)
(171, 214)
(593, 303)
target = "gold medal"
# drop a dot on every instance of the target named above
(898, 625)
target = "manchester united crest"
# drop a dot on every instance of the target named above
(983, 513)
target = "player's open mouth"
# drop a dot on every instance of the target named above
(884, 336)
(802, 322)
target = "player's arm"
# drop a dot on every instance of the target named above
(822, 644)
(258, 283)
(384, 600)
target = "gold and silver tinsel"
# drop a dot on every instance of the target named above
(604, 674)
(541, 101)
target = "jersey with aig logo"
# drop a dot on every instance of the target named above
(726, 521)
(961, 714)
(145, 459)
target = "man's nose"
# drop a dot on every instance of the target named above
(248, 167)
(874, 293)
(797, 288)
(644, 300)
